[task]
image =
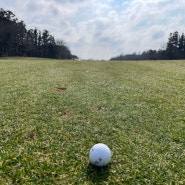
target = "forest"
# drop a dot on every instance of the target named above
(174, 50)
(16, 40)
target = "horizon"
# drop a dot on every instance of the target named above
(103, 29)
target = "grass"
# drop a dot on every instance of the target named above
(52, 112)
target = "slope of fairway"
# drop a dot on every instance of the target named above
(52, 112)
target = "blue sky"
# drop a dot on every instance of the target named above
(101, 29)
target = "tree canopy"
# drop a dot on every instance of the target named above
(175, 49)
(16, 40)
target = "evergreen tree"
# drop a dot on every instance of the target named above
(175, 49)
(181, 46)
(16, 40)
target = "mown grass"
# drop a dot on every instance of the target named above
(52, 112)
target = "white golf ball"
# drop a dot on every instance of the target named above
(100, 155)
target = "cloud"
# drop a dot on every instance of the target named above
(103, 28)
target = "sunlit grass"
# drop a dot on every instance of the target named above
(52, 112)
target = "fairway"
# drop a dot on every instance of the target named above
(53, 111)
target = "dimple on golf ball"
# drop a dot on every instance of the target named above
(100, 155)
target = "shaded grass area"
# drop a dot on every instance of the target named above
(52, 112)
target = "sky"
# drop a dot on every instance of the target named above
(101, 29)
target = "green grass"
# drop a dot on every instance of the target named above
(52, 112)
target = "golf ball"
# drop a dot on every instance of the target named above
(100, 155)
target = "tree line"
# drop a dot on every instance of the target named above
(16, 40)
(174, 50)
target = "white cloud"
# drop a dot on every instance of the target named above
(103, 28)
